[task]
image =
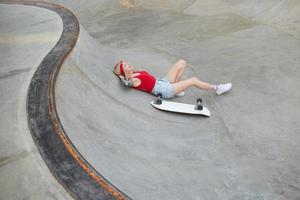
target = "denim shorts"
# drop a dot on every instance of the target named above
(164, 87)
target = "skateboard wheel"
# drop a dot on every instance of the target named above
(199, 100)
(198, 107)
(158, 101)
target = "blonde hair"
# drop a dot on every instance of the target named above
(117, 68)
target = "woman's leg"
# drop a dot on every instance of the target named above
(194, 81)
(176, 71)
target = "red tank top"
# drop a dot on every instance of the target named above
(147, 81)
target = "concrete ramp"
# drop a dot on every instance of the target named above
(247, 149)
(103, 141)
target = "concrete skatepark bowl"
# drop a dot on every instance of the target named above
(115, 141)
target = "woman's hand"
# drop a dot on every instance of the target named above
(128, 70)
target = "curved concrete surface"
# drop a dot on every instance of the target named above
(24, 42)
(247, 149)
(65, 163)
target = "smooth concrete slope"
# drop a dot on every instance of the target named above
(279, 14)
(247, 149)
(68, 167)
(27, 34)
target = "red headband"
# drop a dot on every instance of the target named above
(122, 69)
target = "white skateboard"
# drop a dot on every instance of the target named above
(197, 109)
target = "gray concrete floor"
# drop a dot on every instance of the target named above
(27, 34)
(248, 148)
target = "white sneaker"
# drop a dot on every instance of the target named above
(180, 94)
(222, 88)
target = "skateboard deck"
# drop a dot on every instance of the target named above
(172, 106)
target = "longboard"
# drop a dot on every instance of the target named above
(171, 106)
